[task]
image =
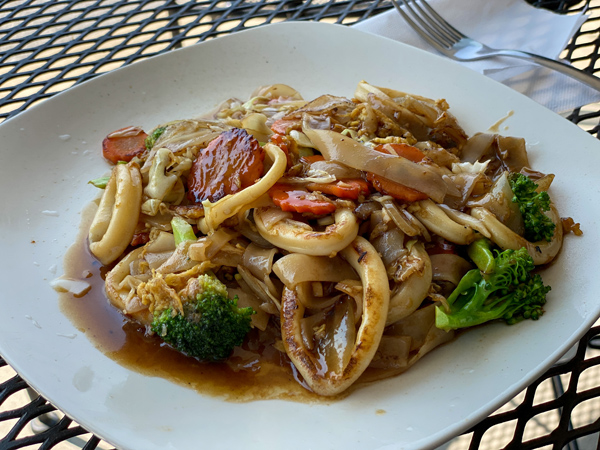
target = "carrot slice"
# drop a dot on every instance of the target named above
(292, 199)
(348, 188)
(389, 187)
(406, 151)
(312, 158)
(124, 144)
(283, 126)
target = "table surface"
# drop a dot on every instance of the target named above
(48, 46)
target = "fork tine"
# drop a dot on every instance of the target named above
(420, 26)
(438, 22)
(441, 21)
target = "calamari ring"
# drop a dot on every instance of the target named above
(118, 213)
(363, 257)
(409, 294)
(542, 252)
(437, 221)
(316, 243)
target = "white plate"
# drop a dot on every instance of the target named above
(43, 179)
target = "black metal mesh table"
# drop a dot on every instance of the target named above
(48, 46)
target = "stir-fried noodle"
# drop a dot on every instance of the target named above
(349, 224)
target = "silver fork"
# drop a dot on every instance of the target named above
(454, 44)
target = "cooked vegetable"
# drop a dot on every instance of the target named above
(182, 231)
(289, 198)
(347, 188)
(124, 144)
(153, 137)
(210, 324)
(508, 291)
(100, 183)
(532, 205)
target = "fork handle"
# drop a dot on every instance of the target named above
(586, 78)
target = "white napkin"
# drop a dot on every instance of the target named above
(512, 24)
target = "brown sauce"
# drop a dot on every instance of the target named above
(256, 371)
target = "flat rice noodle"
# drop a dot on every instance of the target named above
(425, 118)
(416, 326)
(276, 91)
(419, 329)
(297, 268)
(513, 152)
(308, 299)
(465, 183)
(337, 169)
(256, 286)
(338, 108)
(393, 353)
(508, 153)
(178, 261)
(449, 267)
(207, 247)
(189, 135)
(337, 147)
(256, 125)
(259, 260)
(390, 245)
(477, 147)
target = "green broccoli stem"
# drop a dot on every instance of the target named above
(510, 292)
(182, 231)
(480, 252)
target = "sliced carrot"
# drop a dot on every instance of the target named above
(124, 144)
(283, 126)
(348, 188)
(312, 159)
(406, 151)
(292, 199)
(389, 187)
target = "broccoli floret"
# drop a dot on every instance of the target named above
(153, 137)
(211, 324)
(532, 205)
(509, 292)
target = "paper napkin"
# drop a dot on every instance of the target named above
(510, 24)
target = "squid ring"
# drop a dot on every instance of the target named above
(316, 243)
(363, 257)
(118, 213)
(542, 252)
(437, 221)
(409, 294)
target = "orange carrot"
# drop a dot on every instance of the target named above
(124, 144)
